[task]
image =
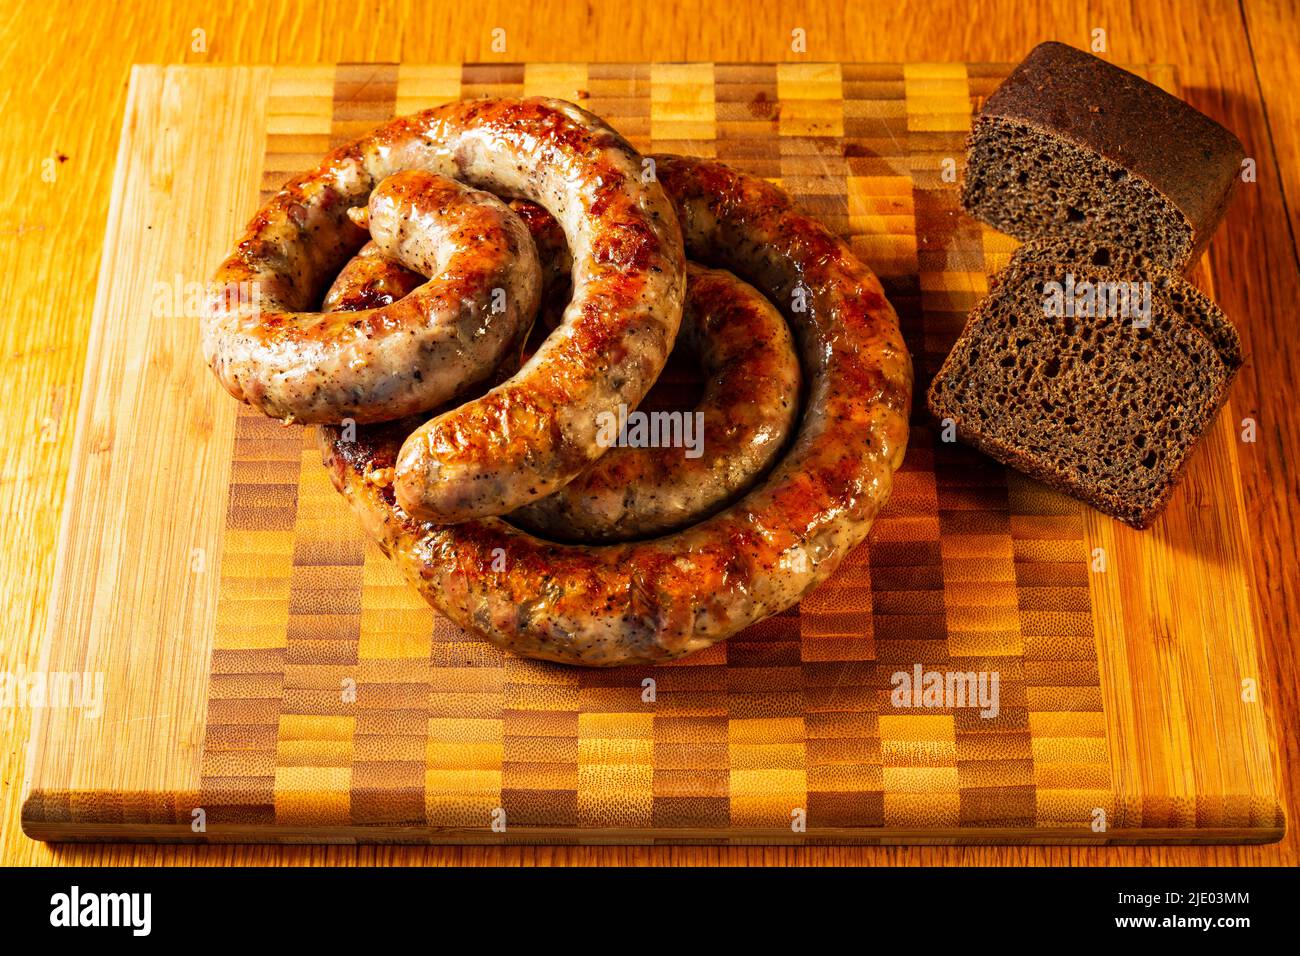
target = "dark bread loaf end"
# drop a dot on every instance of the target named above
(1071, 144)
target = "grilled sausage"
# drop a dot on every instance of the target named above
(741, 423)
(552, 255)
(744, 417)
(371, 279)
(649, 601)
(418, 352)
(533, 433)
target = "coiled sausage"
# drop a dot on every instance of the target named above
(534, 433)
(649, 601)
(716, 451)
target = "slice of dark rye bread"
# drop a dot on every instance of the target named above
(1092, 406)
(1190, 302)
(1072, 144)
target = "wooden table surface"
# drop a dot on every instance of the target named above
(66, 65)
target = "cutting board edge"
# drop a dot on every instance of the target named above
(217, 834)
(38, 827)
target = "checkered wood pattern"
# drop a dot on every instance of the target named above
(339, 699)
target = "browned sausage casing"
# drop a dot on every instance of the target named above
(653, 600)
(419, 352)
(713, 452)
(370, 280)
(741, 423)
(534, 433)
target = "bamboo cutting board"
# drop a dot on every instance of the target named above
(267, 676)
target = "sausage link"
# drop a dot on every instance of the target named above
(371, 279)
(648, 601)
(420, 351)
(552, 255)
(532, 434)
(746, 414)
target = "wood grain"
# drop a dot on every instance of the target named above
(1277, 72)
(68, 105)
(146, 624)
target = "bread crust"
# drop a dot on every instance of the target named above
(1186, 157)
